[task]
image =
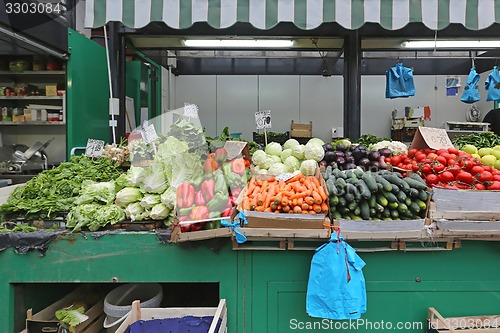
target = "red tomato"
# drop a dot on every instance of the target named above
(465, 177)
(446, 177)
(487, 168)
(432, 156)
(412, 152)
(486, 176)
(477, 169)
(453, 156)
(451, 162)
(404, 156)
(395, 160)
(415, 168)
(407, 161)
(463, 186)
(432, 179)
(442, 160)
(496, 178)
(462, 153)
(438, 167)
(495, 186)
(426, 168)
(387, 160)
(442, 151)
(428, 151)
(419, 156)
(479, 187)
(454, 171)
(453, 150)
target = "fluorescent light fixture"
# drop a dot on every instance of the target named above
(251, 43)
(451, 44)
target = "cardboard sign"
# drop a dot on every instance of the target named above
(285, 176)
(94, 148)
(149, 134)
(429, 137)
(263, 119)
(234, 149)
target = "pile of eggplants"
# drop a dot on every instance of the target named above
(347, 158)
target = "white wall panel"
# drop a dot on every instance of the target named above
(280, 94)
(237, 103)
(199, 90)
(321, 101)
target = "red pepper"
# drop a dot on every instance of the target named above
(199, 213)
(185, 195)
(239, 166)
(227, 212)
(210, 165)
(220, 155)
(199, 200)
(197, 226)
(208, 189)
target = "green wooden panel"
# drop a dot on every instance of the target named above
(87, 92)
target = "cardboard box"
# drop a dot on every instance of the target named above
(51, 90)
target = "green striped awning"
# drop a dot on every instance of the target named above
(305, 14)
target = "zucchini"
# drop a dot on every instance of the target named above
(389, 196)
(382, 200)
(364, 190)
(332, 189)
(338, 174)
(416, 177)
(395, 189)
(334, 200)
(364, 210)
(423, 195)
(328, 172)
(325, 175)
(372, 202)
(340, 190)
(393, 205)
(342, 202)
(340, 182)
(350, 174)
(385, 184)
(353, 181)
(358, 173)
(413, 193)
(415, 184)
(370, 182)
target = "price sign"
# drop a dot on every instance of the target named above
(285, 176)
(149, 134)
(429, 137)
(263, 119)
(190, 110)
(94, 148)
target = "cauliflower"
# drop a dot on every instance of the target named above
(397, 147)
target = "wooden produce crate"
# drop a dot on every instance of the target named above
(466, 214)
(301, 130)
(383, 230)
(179, 237)
(436, 323)
(219, 314)
(45, 320)
(281, 239)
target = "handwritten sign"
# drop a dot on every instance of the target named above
(190, 110)
(94, 148)
(429, 137)
(263, 119)
(149, 134)
(285, 176)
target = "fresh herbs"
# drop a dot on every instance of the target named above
(368, 139)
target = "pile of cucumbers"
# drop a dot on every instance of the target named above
(383, 195)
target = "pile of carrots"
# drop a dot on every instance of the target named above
(298, 195)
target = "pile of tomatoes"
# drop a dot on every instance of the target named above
(449, 168)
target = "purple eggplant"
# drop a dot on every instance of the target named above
(349, 159)
(350, 166)
(386, 152)
(329, 156)
(340, 161)
(382, 163)
(374, 156)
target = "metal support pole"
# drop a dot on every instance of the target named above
(352, 85)
(122, 88)
(117, 67)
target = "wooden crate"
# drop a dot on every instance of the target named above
(383, 230)
(436, 323)
(281, 239)
(45, 321)
(219, 313)
(301, 130)
(179, 237)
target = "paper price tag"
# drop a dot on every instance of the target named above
(190, 110)
(435, 138)
(263, 119)
(285, 176)
(234, 149)
(94, 148)
(149, 134)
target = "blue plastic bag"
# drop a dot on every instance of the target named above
(471, 92)
(188, 324)
(399, 82)
(492, 85)
(336, 289)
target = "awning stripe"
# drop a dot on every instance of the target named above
(305, 14)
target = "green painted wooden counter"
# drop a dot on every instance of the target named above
(265, 290)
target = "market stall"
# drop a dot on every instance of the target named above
(209, 221)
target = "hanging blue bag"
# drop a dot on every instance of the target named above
(336, 288)
(471, 92)
(399, 82)
(492, 85)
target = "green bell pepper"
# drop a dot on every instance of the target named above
(220, 184)
(218, 202)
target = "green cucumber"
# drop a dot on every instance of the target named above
(370, 182)
(336, 215)
(386, 213)
(364, 210)
(421, 204)
(417, 178)
(401, 196)
(385, 184)
(344, 211)
(408, 201)
(339, 174)
(413, 193)
(394, 214)
(393, 179)
(382, 200)
(423, 195)
(415, 208)
(372, 202)
(340, 182)
(353, 181)
(334, 200)
(373, 212)
(415, 184)
(379, 208)
(351, 189)
(364, 190)
(389, 196)
(342, 202)
(350, 174)
(393, 205)
(332, 189)
(349, 197)
(357, 211)
(402, 208)
(358, 173)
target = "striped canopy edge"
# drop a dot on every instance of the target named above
(305, 14)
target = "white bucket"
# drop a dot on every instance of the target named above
(118, 302)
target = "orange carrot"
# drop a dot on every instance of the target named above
(285, 209)
(274, 206)
(298, 195)
(300, 201)
(246, 203)
(288, 193)
(259, 208)
(255, 191)
(251, 185)
(308, 184)
(253, 204)
(270, 197)
(305, 206)
(288, 188)
(309, 200)
(264, 186)
(277, 200)
(316, 181)
(258, 182)
(312, 212)
(302, 180)
(304, 212)
(324, 208)
(284, 201)
(279, 207)
(322, 192)
(317, 198)
(268, 210)
(295, 178)
(281, 185)
(317, 208)
(294, 202)
(297, 210)
(260, 199)
(271, 180)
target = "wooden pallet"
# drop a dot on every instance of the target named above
(467, 324)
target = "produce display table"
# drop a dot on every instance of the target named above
(264, 290)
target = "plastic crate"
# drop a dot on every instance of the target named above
(280, 138)
(405, 134)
